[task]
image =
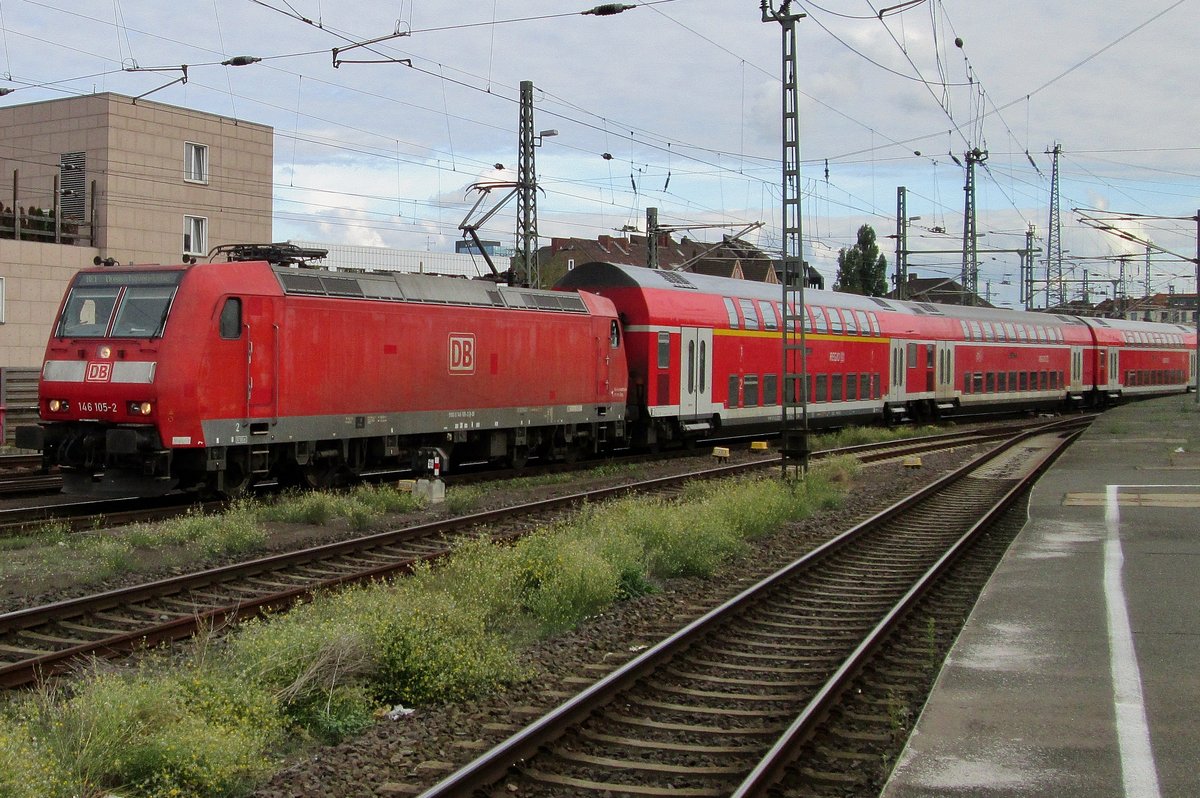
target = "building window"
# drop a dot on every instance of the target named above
(2, 317)
(195, 162)
(195, 235)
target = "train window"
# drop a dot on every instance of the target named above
(835, 321)
(989, 382)
(749, 314)
(976, 331)
(819, 318)
(750, 390)
(1021, 332)
(808, 388)
(912, 355)
(703, 366)
(977, 381)
(864, 386)
(864, 327)
(733, 391)
(231, 319)
(1012, 380)
(808, 320)
(851, 387)
(822, 388)
(851, 325)
(1002, 382)
(966, 383)
(87, 312)
(1131, 379)
(1010, 331)
(835, 387)
(929, 356)
(143, 311)
(664, 350)
(614, 334)
(770, 318)
(875, 392)
(1024, 381)
(731, 311)
(988, 334)
(965, 331)
(770, 389)
(874, 323)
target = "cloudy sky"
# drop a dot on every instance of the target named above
(675, 104)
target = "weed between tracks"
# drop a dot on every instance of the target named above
(215, 724)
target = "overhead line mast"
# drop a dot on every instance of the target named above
(794, 422)
(1055, 297)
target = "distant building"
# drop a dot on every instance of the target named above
(729, 257)
(1169, 308)
(938, 290)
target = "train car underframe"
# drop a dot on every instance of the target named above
(95, 453)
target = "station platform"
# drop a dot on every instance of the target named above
(1078, 671)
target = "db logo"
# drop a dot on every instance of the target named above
(98, 372)
(462, 353)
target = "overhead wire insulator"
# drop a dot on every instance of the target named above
(608, 9)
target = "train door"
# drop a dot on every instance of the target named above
(695, 372)
(945, 370)
(1114, 372)
(1076, 384)
(895, 391)
(262, 358)
(1102, 369)
(919, 376)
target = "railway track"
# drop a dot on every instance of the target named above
(724, 706)
(42, 641)
(19, 476)
(90, 513)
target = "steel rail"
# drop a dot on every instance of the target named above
(773, 764)
(183, 625)
(494, 764)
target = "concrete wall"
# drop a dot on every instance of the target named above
(35, 278)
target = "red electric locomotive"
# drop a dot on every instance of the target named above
(216, 375)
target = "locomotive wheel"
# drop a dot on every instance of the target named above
(235, 482)
(310, 476)
(518, 456)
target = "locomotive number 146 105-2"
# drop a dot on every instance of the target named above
(97, 407)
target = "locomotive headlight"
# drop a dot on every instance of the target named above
(105, 352)
(58, 406)
(140, 408)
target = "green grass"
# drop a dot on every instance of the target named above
(213, 723)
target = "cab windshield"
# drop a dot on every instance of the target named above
(118, 305)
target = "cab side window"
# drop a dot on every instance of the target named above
(231, 319)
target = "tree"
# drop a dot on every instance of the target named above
(862, 269)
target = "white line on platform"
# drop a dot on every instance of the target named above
(1138, 769)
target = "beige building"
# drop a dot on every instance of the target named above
(107, 176)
